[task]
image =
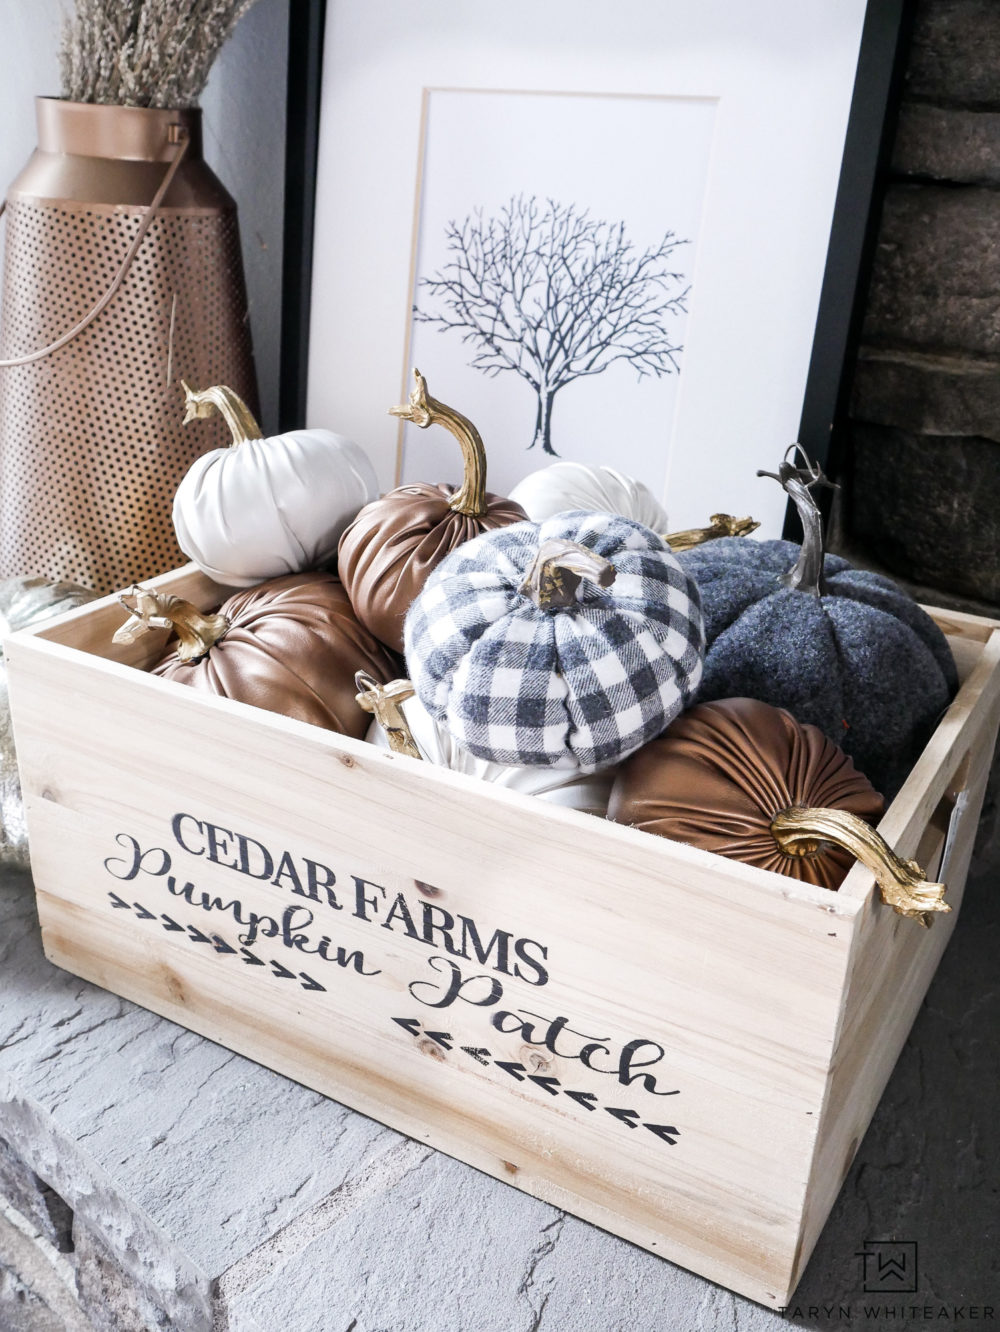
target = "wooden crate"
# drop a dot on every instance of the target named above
(681, 1049)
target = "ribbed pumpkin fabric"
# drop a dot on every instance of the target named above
(293, 646)
(386, 554)
(269, 507)
(577, 686)
(721, 772)
(863, 662)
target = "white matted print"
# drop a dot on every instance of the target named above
(774, 78)
(554, 260)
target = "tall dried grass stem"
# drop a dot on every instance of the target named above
(144, 52)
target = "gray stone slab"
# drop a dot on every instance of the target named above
(947, 143)
(928, 507)
(936, 278)
(928, 395)
(126, 1085)
(954, 55)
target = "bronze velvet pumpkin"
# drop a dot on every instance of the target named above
(386, 554)
(290, 645)
(719, 775)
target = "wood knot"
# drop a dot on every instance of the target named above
(427, 889)
(535, 1061)
(347, 761)
(428, 1047)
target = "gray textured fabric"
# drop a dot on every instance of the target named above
(579, 686)
(864, 662)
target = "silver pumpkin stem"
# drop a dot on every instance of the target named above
(807, 573)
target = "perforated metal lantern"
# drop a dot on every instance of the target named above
(92, 445)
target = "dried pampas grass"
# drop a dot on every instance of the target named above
(144, 52)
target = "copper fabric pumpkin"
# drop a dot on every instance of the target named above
(719, 775)
(291, 645)
(386, 554)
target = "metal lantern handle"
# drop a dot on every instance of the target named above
(178, 135)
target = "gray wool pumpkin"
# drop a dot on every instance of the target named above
(569, 642)
(840, 648)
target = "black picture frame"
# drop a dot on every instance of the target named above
(871, 128)
(306, 25)
(870, 131)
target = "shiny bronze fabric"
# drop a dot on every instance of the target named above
(717, 777)
(292, 647)
(394, 543)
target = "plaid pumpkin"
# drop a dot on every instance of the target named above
(579, 686)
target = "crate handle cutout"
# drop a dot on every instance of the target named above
(902, 883)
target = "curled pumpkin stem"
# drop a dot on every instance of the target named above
(424, 411)
(383, 701)
(554, 579)
(233, 410)
(902, 883)
(722, 525)
(806, 575)
(196, 632)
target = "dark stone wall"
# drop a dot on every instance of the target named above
(922, 491)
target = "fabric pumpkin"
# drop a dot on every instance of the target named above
(290, 645)
(392, 545)
(25, 603)
(262, 508)
(841, 648)
(584, 791)
(569, 642)
(719, 774)
(565, 486)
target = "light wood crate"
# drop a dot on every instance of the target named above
(681, 1049)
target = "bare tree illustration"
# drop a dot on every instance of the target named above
(554, 295)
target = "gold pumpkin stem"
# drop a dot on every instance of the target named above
(424, 411)
(903, 885)
(196, 632)
(558, 570)
(383, 700)
(723, 525)
(233, 410)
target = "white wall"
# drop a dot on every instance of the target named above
(244, 116)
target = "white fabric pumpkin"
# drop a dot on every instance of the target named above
(589, 792)
(262, 508)
(569, 485)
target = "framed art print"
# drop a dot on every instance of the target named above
(604, 235)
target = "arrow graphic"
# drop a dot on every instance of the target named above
(515, 1070)
(626, 1116)
(309, 984)
(480, 1055)
(117, 902)
(665, 1131)
(587, 1099)
(169, 924)
(411, 1025)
